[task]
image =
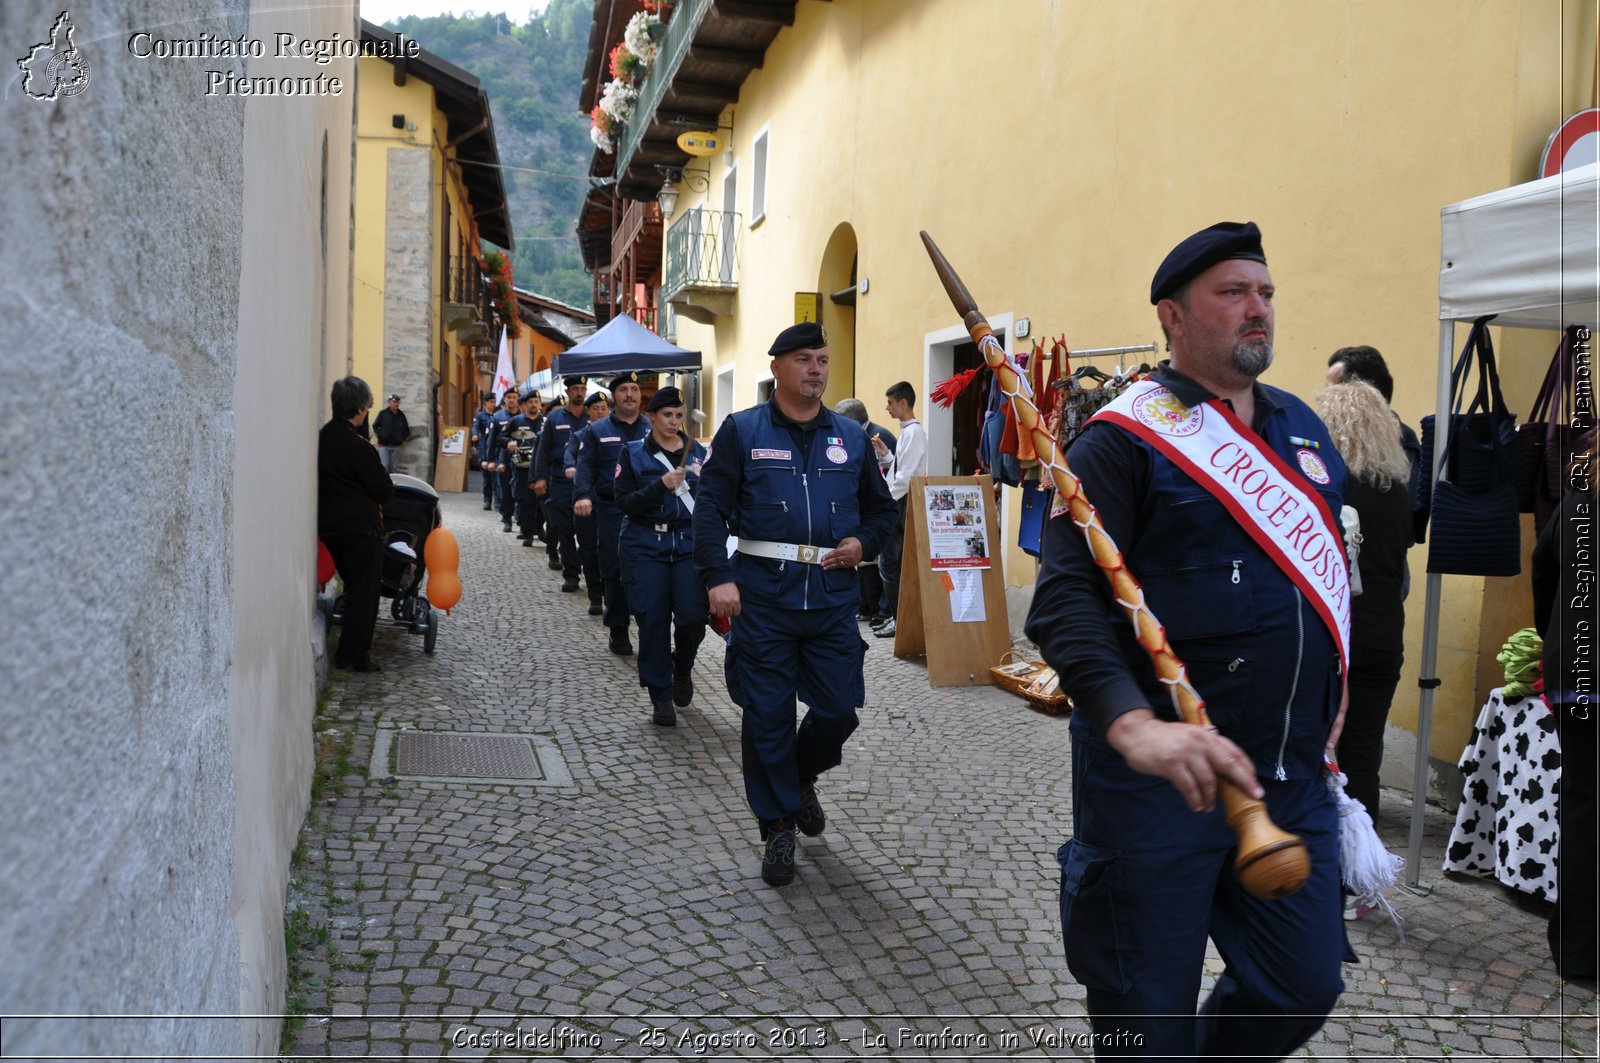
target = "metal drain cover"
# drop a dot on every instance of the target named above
(460, 756)
(466, 756)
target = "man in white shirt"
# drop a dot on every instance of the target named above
(908, 460)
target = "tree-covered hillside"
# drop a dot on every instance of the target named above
(532, 73)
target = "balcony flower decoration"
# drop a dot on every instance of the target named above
(630, 65)
(658, 7)
(642, 37)
(501, 293)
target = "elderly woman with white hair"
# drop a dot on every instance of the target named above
(1367, 434)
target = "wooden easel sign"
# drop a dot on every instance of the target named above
(450, 463)
(952, 605)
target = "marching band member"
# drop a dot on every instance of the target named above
(656, 478)
(1223, 494)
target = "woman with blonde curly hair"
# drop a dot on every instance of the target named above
(1367, 434)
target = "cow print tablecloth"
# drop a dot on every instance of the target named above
(1506, 826)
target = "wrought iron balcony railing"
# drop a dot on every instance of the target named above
(702, 252)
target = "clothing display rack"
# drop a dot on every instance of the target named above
(1108, 352)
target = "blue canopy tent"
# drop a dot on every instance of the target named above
(623, 345)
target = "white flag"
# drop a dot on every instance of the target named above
(503, 379)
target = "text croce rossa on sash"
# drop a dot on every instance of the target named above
(1272, 502)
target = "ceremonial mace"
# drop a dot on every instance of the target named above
(1272, 862)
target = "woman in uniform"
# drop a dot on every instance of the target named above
(656, 480)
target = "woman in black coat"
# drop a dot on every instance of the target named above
(352, 487)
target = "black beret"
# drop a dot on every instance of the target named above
(807, 334)
(664, 397)
(571, 381)
(594, 397)
(508, 393)
(1221, 242)
(621, 379)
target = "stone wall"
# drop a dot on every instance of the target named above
(408, 301)
(293, 298)
(155, 691)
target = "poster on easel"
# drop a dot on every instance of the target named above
(952, 606)
(450, 461)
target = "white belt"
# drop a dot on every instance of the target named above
(810, 555)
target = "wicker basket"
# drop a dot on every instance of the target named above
(1017, 683)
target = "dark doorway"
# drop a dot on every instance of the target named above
(966, 416)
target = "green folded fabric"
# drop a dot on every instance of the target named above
(1520, 657)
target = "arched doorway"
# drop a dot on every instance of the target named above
(836, 281)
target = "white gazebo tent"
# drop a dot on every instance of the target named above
(1531, 255)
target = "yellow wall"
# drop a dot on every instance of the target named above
(380, 99)
(1058, 151)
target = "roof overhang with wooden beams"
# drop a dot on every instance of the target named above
(470, 131)
(710, 48)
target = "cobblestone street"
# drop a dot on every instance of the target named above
(622, 914)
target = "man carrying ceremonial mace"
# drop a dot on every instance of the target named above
(1221, 493)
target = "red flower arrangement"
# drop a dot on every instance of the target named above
(658, 7)
(501, 291)
(625, 66)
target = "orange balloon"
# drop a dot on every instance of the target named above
(444, 590)
(441, 553)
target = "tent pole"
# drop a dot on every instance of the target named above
(1427, 680)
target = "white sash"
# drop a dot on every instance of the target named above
(683, 489)
(1272, 501)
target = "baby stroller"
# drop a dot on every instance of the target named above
(408, 517)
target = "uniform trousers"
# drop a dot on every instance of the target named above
(609, 519)
(1144, 881)
(530, 517)
(359, 561)
(506, 493)
(777, 653)
(587, 533)
(669, 602)
(559, 523)
(489, 480)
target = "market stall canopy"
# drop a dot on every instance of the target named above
(1529, 253)
(623, 345)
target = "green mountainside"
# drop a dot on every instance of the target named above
(532, 73)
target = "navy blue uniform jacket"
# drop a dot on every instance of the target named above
(1255, 650)
(772, 479)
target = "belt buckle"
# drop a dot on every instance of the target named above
(662, 529)
(807, 554)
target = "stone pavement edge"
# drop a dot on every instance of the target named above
(622, 914)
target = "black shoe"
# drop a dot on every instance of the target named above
(682, 689)
(505, 527)
(596, 609)
(526, 541)
(810, 819)
(663, 713)
(619, 642)
(555, 564)
(878, 621)
(777, 859)
(570, 586)
(487, 506)
(368, 665)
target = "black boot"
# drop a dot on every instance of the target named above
(663, 713)
(620, 645)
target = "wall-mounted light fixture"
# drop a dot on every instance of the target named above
(675, 175)
(668, 198)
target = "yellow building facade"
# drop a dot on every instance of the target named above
(428, 193)
(1057, 151)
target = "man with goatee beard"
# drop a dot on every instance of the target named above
(1223, 495)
